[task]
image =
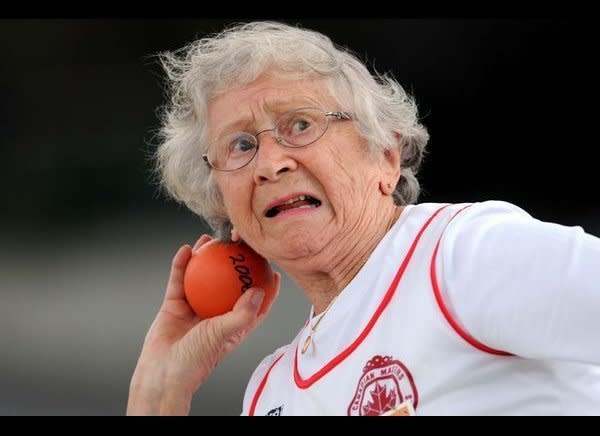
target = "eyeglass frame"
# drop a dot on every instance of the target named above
(339, 115)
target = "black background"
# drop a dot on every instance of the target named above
(510, 104)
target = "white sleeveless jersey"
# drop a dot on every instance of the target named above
(391, 339)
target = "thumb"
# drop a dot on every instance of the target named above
(244, 312)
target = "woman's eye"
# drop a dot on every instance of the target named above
(300, 125)
(242, 145)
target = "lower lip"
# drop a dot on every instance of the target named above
(288, 213)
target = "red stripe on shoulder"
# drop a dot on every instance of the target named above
(440, 301)
(262, 386)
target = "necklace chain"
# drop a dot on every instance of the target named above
(313, 327)
(308, 341)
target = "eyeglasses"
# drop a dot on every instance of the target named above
(293, 129)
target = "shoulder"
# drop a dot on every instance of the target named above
(492, 210)
(484, 228)
(458, 219)
(465, 221)
(476, 222)
(259, 374)
(472, 210)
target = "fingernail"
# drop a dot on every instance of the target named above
(257, 298)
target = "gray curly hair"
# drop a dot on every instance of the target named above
(385, 114)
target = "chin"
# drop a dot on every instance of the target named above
(299, 242)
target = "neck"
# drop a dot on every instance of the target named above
(345, 260)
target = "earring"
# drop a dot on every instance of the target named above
(385, 188)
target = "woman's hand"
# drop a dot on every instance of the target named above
(181, 350)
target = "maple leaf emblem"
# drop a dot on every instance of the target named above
(381, 401)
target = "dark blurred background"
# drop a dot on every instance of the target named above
(86, 240)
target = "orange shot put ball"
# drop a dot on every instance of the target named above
(220, 272)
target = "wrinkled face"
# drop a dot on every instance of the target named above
(293, 203)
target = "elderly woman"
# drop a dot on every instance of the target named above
(280, 139)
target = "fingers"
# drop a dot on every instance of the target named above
(175, 283)
(249, 312)
(277, 280)
(200, 242)
(178, 265)
(244, 313)
(265, 305)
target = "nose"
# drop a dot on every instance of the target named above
(272, 159)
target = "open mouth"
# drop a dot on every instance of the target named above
(299, 202)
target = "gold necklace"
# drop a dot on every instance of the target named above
(308, 341)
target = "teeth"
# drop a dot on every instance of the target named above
(274, 210)
(299, 198)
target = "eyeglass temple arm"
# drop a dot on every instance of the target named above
(339, 115)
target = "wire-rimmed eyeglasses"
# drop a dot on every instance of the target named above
(296, 128)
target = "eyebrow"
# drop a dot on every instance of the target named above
(277, 106)
(230, 126)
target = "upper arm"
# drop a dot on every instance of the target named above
(522, 285)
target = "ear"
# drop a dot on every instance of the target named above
(390, 170)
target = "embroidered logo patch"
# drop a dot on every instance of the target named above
(384, 385)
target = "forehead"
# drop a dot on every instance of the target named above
(268, 95)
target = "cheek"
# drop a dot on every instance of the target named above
(237, 197)
(348, 175)
(229, 193)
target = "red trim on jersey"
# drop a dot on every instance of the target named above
(261, 387)
(451, 320)
(306, 383)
